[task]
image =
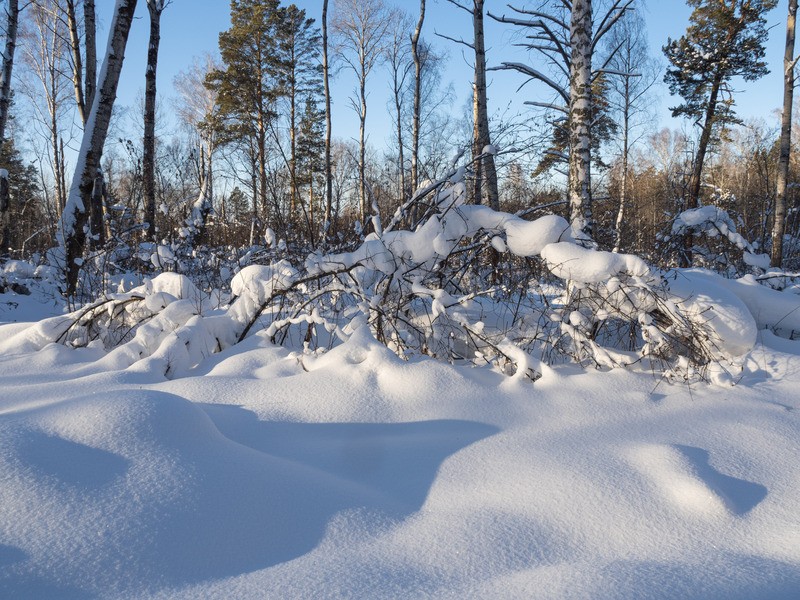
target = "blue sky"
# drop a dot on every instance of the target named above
(191, 27)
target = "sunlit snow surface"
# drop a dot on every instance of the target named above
(358, 475)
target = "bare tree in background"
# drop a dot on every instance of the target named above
(632, 75)
(399, 68)
(361, 28)
(45, 46)
(415, 54)
(789, 62)
(195, 106)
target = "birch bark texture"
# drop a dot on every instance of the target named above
(12, 22)
(789, 62)
(568, 38)
(580, 117)
(72, 228)
(90, 44)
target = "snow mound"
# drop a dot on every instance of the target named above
(708, 301)
(575, 263)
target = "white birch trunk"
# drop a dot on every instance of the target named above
(90, 34)
(8, 64)
(580, 116)
(72, 229)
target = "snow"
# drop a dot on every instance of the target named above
(707, 297)
(263, 472)
(572, 262)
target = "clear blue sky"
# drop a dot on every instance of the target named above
(191, 27)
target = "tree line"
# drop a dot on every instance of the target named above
(254, 163)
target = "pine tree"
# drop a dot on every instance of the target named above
(21, 214)
(248, 85)
(310, 163)
(725, 39)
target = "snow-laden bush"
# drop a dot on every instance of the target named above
(717, 243)
(445, 289)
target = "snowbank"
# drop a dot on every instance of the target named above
(356, 474)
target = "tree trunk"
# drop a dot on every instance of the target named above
(77, 62)
(262, 167)
(293, 140)
(362, 147)
(73, 220)
(398, 108)
(5, 103)
(96, 220)
(580, 117)
(155, 8)
(90, 81)
(417, 98)
(623, 192)
(60, 195)
(484, 169)
(326, 83)
(693, 199)
(8, 64)
(5, 214)
(779, 226)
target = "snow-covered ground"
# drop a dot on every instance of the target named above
(263, 474)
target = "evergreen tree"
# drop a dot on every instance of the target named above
(310, 163)
(248, 85)
(23, 217)
(725, 39)
(300, 76)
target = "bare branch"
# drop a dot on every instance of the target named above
(534, 74)
(457, 41)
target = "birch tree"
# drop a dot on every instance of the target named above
(399, 68)
(46, 55)
(90, 47)
(72, 231)
(568, 38)
(362, 28)
(12, 22)
(196, 107)
(789, 62)
(632, 75)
